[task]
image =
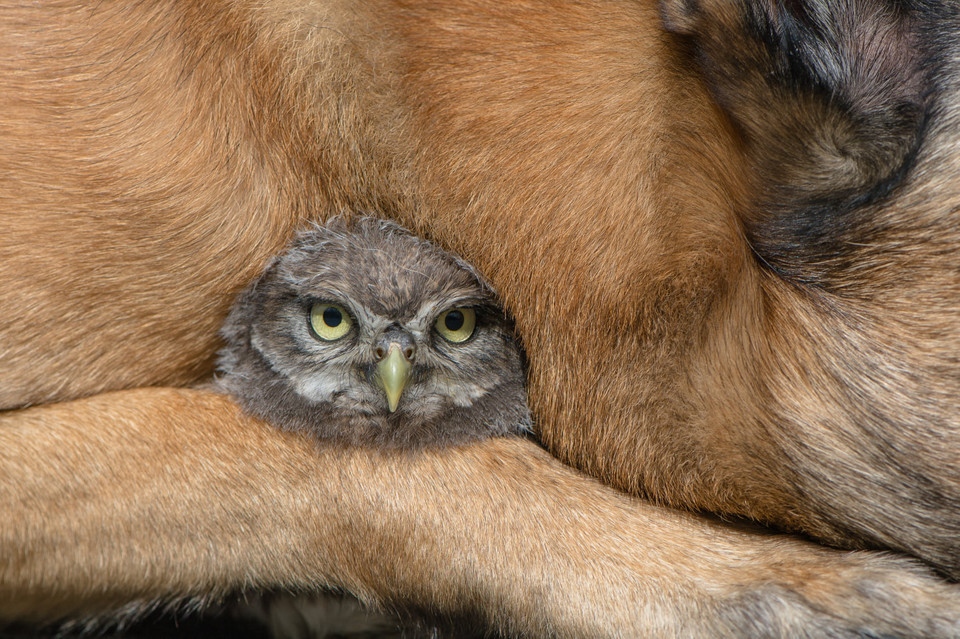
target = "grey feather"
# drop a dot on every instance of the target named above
(390, 283)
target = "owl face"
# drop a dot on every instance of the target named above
(362, 332)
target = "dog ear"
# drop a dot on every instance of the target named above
(829, 97)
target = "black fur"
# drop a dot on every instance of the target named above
(831, 98)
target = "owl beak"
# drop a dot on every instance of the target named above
(393, 372)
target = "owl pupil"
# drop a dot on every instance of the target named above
(332, 317)
(453, 321)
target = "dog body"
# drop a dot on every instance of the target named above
(679, 348)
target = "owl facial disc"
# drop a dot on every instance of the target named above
(366, 334)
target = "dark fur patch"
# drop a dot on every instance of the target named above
(831, 100)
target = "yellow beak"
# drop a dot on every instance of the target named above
(393, 372)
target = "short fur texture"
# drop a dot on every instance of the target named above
(711, 320)
(846, 167)
(388, 280)
(216, 501)
(851, 81)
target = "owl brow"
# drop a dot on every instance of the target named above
(430, 309)
(308, 301)
(362, 315)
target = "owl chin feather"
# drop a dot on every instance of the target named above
(377, 275)
(498, 412)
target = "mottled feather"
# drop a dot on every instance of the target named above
(393, 287)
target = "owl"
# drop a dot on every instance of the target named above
(363, 333)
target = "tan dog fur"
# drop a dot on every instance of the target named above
(159, 153)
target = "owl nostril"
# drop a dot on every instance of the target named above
(395, 337)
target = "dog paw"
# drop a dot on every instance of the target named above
(860, 595)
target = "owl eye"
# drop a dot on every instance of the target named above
(457, 324)
(329, 321)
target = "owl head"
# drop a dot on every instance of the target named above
(363, 333)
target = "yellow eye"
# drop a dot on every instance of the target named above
(329, 321)
(457, 324)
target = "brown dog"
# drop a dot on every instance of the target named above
(715, 315)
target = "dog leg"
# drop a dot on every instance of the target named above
(139, 496)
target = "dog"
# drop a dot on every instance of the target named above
(726, 232)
